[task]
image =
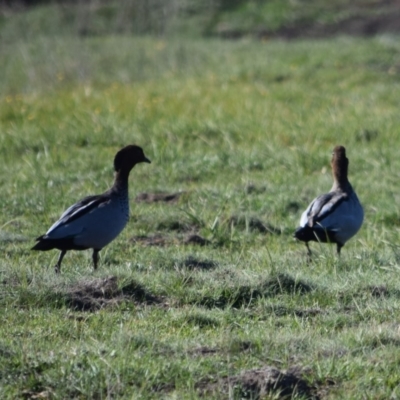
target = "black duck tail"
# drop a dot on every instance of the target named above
(43, 244)
(304, 234)
(316, 234)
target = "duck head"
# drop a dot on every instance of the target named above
(128, 157)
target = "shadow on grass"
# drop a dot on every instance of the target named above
(86, 295)
(193, 263)
(94, 294)
(98, 293)
(261, 383)
(245, 295)
(376, 291)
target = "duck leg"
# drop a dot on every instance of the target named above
(57, 267)
(338, 248)
(309, 254)
(95, 257)
(308, 251)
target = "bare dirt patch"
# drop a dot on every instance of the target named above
(195, 239)
(158, 197)
(260, 383)
(92, 295)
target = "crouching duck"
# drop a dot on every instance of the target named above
(334, 217)
(95, 221)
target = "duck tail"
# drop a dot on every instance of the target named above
(304, 233)
(43, 244)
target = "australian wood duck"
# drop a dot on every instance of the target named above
(336, 216)
(95, 221)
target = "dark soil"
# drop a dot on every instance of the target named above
(260, 383)
(91, 295)
(194, 239)
(158, 196)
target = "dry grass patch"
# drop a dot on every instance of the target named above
(94, 294)
(262, 382)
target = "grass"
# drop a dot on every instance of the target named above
(189, 18)
(246, 130)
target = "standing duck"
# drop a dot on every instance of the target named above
(95, 221)
(334, 217)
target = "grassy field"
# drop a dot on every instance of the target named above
(243, 131)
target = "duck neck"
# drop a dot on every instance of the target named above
(339, 172)
(121, 181)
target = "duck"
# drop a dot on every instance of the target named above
(95, 221)
(333, 217)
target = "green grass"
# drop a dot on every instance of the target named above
(189, 18)
(246, 129)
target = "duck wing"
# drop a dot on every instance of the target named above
(76, 211)
(323, 206)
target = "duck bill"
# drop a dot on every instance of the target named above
(146, 160)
